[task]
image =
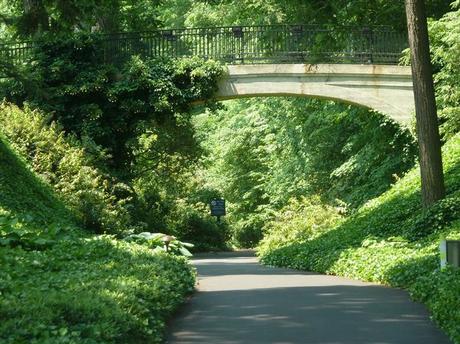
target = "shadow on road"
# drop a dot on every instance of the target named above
(240, 302)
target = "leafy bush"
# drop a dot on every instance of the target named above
(70, 166)
(390, 240)
(22, 232)
(248, 232)
(299, 221)
(440, 290)
(192, 223)
(111, 124)
(264, 152)
(436, 218)
(23, 195)
(113, 104)
(95, 290)
(156, 242)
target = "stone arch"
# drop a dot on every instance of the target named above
(387, 89)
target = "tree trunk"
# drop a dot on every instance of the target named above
(35, 17)
(425, 104)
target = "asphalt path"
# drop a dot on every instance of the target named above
(239, 301)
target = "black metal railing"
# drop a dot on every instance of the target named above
(250, 44)
(16, 52)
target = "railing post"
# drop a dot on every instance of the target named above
(239, 34)
(369, 37)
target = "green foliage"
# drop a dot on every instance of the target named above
(28, 18)
(247, 232)
(34, 17)
(440, 290)
(176, 201)
(128, 131)
(23, 195)
(58, 286)
(130, 162)
(96, 290)
(198, 13)
(390, 240)
(114, 105)
(264, 152)
(192, 223)
(445, 47)
(156, 242)
(24, 233)
(70, 166)
(300, 221)
(31, 216)
(436, 218)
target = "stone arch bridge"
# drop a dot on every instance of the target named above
(357, 65)
(384, 88)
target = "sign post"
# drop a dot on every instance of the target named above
(450, 253)
(218, 208)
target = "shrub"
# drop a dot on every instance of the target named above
(22, 232)
(445, 45)
(192, 223)
(156, 242)
(299, 221)
(248, 233)
(23, 195)
(436, 218)
(440, 290)
(58, 286)
(70, 166)
(95, 290)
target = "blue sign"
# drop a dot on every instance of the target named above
(218, 207)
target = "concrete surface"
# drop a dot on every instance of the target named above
(387, 89)
(239, 301)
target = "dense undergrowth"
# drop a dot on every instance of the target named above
(76, 171)
(59, 284)
(70, 167)
(95, 290)
(390, 240)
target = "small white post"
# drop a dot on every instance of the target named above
(443, 252)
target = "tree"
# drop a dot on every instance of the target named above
(35, 17)
(28, 18)
(425, 104)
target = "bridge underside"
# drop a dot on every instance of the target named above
(387, 89)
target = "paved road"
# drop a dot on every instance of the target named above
(241, 302)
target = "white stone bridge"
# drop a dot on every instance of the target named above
(384, 88)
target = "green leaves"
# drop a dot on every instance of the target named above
(30, 18)
(121, 123)
(93, 290)
(114, 104)
(71, 167)
(263, 152)
(25, 233)
(445, 47)
(155, 241)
